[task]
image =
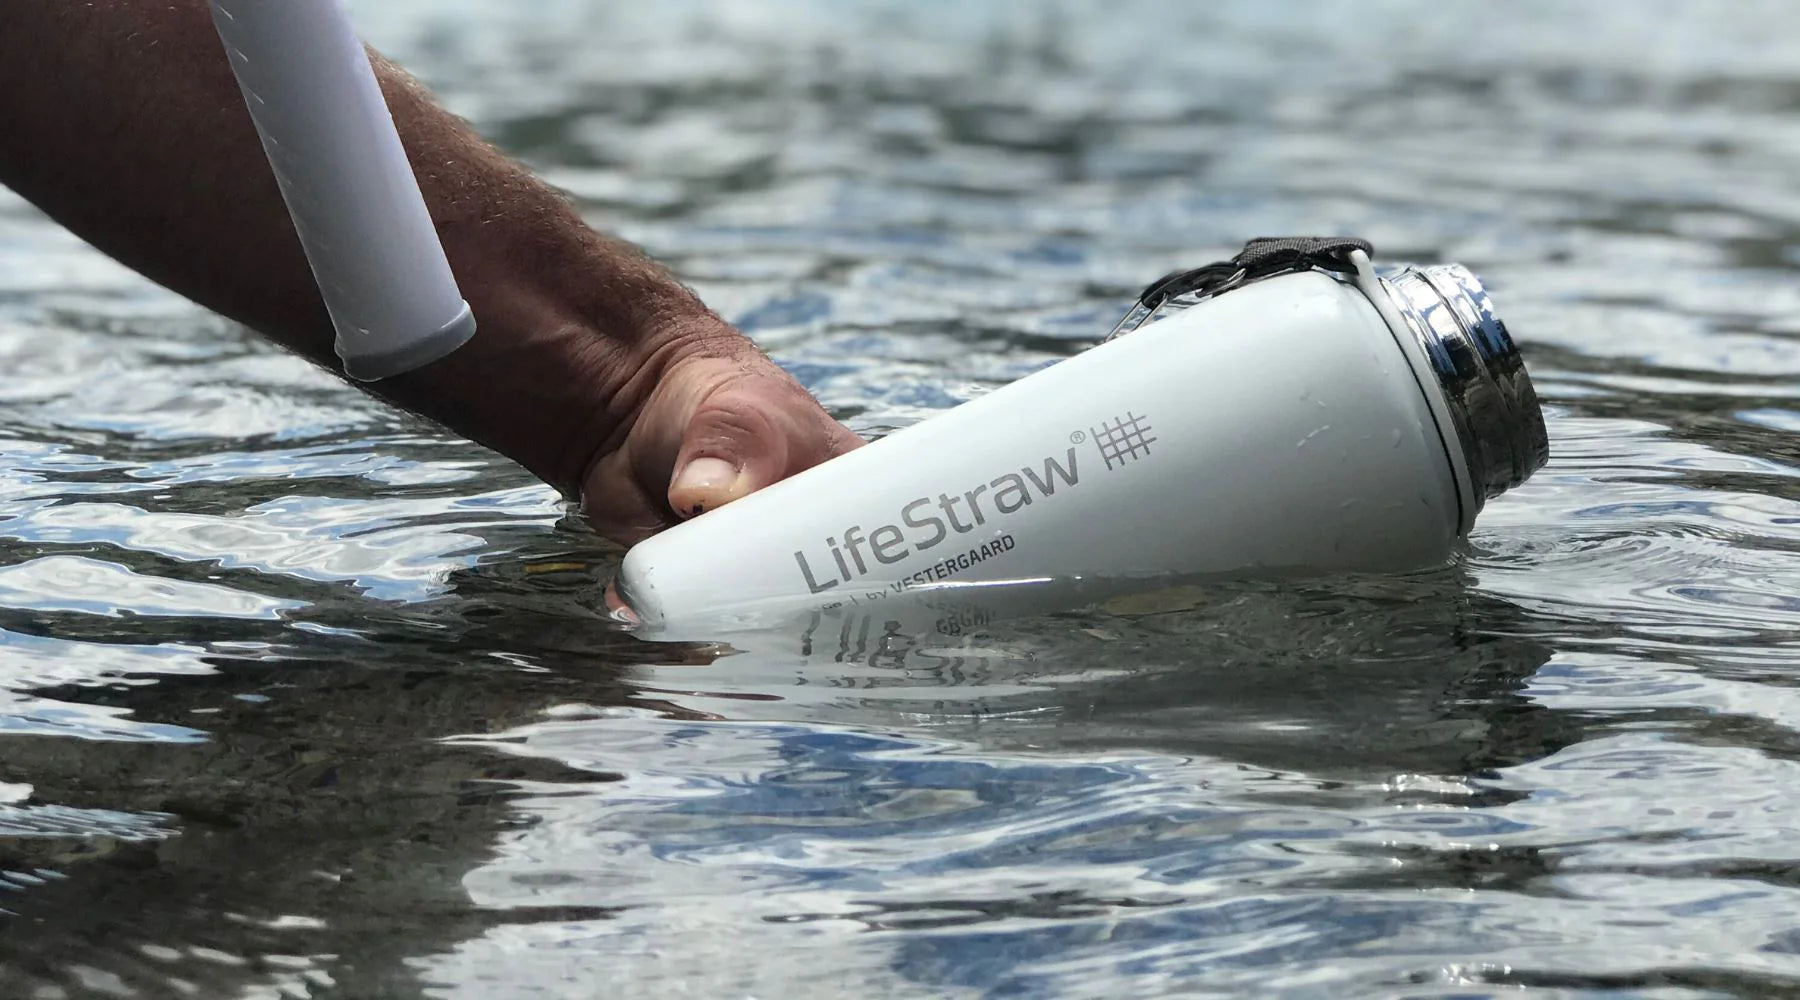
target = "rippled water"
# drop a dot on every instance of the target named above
(300, 696)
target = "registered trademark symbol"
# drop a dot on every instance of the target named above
(1077, 437)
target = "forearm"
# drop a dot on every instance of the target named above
(121, 119)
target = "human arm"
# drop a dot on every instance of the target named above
(591, 366)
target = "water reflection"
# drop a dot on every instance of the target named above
(298, 690)
(1255, 673)
(365, 791)
(1057, 803)
(323, 779)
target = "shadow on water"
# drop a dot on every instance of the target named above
(312, 831)
(355, 793)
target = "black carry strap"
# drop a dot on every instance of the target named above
(1261, 258)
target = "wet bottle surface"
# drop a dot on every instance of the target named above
(1302, 423)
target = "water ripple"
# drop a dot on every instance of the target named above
(300, 696)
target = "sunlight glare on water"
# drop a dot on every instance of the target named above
(301, 696)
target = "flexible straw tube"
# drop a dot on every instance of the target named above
(351, 193)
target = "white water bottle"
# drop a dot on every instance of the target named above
(1304, 415)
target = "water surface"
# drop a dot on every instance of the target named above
(300, 696)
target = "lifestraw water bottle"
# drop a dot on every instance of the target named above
(352, 195)
(1304, 414)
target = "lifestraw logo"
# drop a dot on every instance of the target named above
(923, 523)
(927, 522)
(1122, 440)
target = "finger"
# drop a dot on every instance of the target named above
(739, 440)
(749, 432)
(618, 507)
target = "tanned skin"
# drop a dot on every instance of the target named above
(592, 366)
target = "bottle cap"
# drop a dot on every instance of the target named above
(1491, 403)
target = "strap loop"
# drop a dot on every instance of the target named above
(1264, 257)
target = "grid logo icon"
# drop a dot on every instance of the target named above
(1123, 439)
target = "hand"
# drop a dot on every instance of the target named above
(719, 422)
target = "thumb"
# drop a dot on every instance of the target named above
(743, 436)
(714, 429)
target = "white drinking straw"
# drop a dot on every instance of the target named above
(312, 93)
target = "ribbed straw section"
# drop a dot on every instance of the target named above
(1496, 412)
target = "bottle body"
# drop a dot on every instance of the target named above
(1274, 429)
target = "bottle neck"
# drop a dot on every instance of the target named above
(1498, 423)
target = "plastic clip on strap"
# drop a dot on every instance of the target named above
(1261, 258)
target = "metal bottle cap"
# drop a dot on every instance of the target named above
(1491, 403)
